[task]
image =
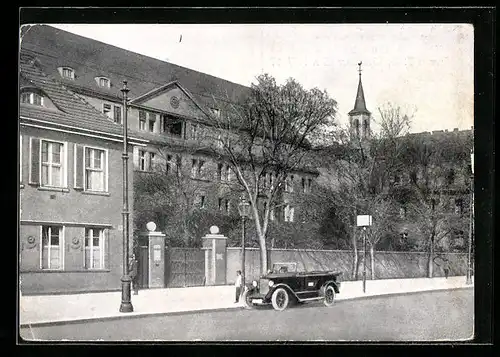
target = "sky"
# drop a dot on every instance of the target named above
(427, 69)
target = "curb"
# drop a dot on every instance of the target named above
(187, 312)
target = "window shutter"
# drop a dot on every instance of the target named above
(79, 166)
(105, 170)
(105, 264)
(34, 161)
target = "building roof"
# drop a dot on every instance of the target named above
(360, 104)
(71, 111)
(90, 58)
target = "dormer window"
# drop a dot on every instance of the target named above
(67, 72)
(103, 82)
(32, 97)
(215, 112)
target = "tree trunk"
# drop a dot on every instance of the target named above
(372, 262)
(355, 258)
(263, 254)
(430, 259)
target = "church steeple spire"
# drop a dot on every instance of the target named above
(359, 117)
(360, 104)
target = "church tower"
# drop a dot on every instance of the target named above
(359, 117)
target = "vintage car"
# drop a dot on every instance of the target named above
(284, 285)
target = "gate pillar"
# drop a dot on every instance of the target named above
(156, 256)
(214, 245)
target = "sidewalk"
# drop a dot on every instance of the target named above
(47, 309)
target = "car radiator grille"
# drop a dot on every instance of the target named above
(264, 286)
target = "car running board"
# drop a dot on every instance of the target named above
(311, 299)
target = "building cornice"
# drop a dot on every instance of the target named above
(79, 131)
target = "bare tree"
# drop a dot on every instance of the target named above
(435, 168)
(359, 170)
(267, 138)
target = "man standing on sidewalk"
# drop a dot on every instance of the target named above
(237, 284)
(133, 274)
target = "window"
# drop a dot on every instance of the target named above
(197, 168)
(142, 120)
(173, 126)
(31, 97)
(219, 171)
(94, 170)
(289, 184)
(103, 82)
(51, 252)
(168, 164)
(146, 160)
(459, 206)
(220, 143)
(228, 173)
(194, 132)
(53, 172)
(450, 177)
(224, 205)
(215, 112)
(67, 72)
(200, 201)
(94, 248)
(289, 213)
(433, 204)
(152, 120)
(117, 114)
(356, 127)
(106, 109)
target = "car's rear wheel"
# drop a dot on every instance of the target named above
(247, 298)
(329, 299)
(280, 299)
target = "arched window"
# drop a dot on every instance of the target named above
(32, 96)
(356, 126)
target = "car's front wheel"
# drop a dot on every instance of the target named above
(329, 299)
(280, 299)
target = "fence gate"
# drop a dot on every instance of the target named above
(184, 267)
(143, 267)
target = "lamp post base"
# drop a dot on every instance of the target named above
(468, 280)
(126, 304)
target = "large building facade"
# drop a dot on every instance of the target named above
(70, 232)
(70, 236)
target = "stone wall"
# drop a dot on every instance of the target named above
(388, 265)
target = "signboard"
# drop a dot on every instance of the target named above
(363, 220)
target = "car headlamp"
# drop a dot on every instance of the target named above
(254, 283)
(271, 283)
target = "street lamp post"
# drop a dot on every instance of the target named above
(471, 222)
(364, 221)
(364, 259)
(126, 303)
(243, 208)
